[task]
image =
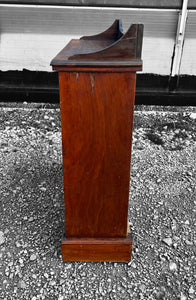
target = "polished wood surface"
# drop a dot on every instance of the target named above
(97, 77)
(109, 48)
(96, 118)
(117, 250)
(114, 67)
(113, 33)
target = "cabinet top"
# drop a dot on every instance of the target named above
(109, 49)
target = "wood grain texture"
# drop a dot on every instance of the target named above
(112, 67)
(117, 249)
(113, 33)
(108, 48)
(96, 118)
(97, 76)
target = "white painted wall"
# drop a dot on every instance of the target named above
(32, 51)
(188, 63)
(31, 35)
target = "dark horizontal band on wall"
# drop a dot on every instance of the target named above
(107, 3)
(31, 86)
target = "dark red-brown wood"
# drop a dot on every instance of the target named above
(118, 249)
(97, 77)
(96, 118)
(110, 48)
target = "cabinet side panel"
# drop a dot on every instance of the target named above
(96, 118)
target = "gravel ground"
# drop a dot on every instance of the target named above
(162, 210)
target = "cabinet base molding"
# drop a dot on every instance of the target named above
(97, 249)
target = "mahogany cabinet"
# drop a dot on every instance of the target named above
(97, 76)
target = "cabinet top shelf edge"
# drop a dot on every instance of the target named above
(109, 47)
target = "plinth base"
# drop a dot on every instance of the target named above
(97, 249)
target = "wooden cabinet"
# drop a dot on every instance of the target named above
(97, 76)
